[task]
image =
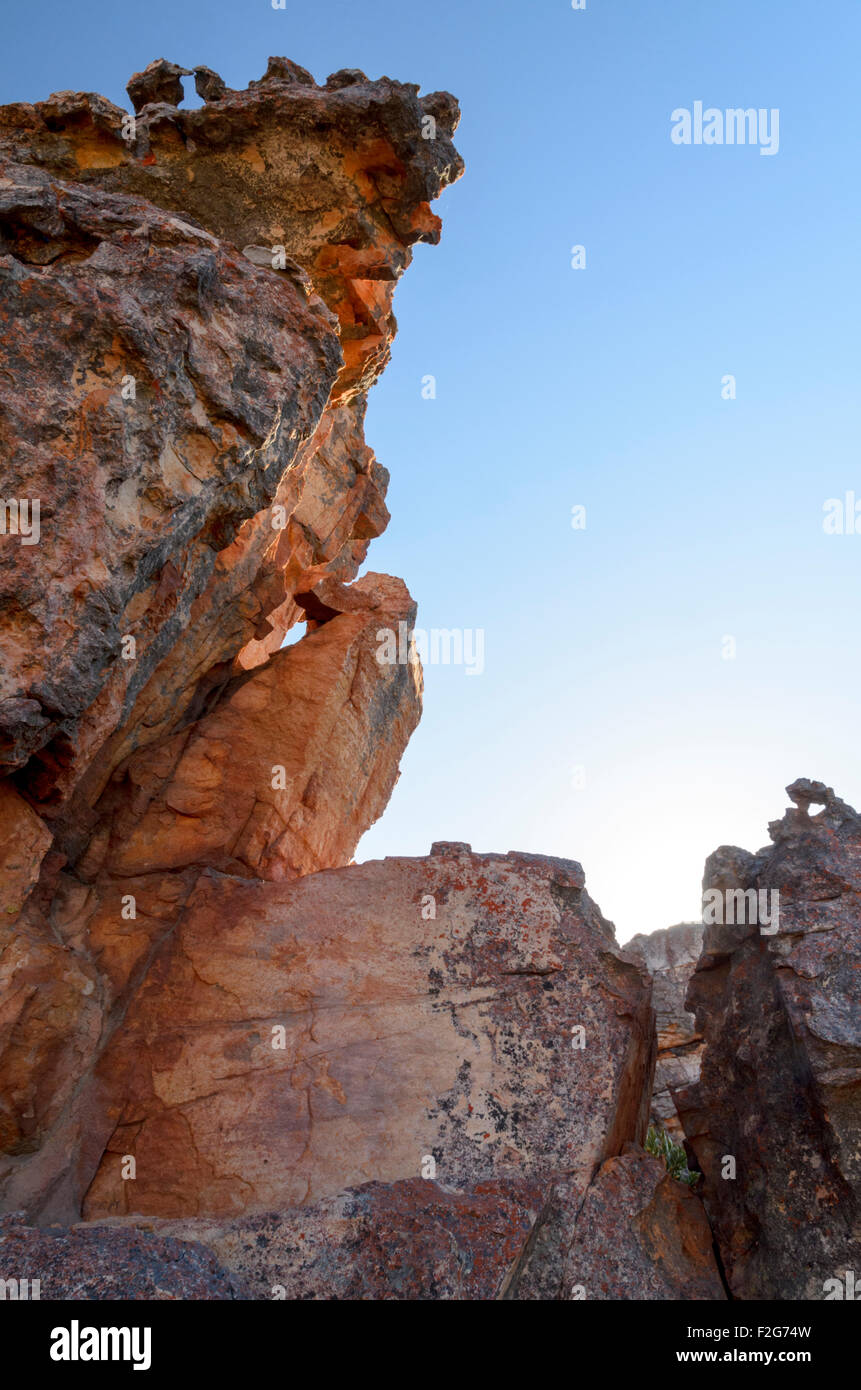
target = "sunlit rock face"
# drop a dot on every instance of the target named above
(775, 1119)
(293, 1041)
(431, 1081)
(194, 305)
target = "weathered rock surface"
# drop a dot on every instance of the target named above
(406, 1079)
(637, 1234)
(406, 1240)
(104, 1262)
(295, 1040)
(188, 413)
(669, 956)
(640, 1234)
(231, 369)
(25, 842)
(166, 515)
(780, 1089)
(317, 732)
(259, 1070)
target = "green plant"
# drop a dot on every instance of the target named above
(661, 1145)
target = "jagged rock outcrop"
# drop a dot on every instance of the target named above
(204, 496)
(193, 306)
(670, 955)
(310, 730)
(775, 1120)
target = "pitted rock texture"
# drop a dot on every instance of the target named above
(780, 1088)
(189, 323)
(340, 176)
(670, 956)
(640, 1234)
(406, 1240)
(295, 1040)
(107, 1263)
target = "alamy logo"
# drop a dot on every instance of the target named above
(442, 646)
(735, 126)
(842, 516)
(20, 519)
(76, 1343)
(20, 1289)
(843, 1288)
(738, 905)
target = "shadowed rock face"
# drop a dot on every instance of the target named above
(780, 1089)
(193, 307)
(670, 956)
(157, 512)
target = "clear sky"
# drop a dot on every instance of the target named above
(602, 387)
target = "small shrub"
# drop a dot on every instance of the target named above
(661, 1145)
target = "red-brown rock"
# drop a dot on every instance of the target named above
(641, 1234)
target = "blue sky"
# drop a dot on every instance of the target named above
(599, 387)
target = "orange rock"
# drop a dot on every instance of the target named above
(296, 1039)
(188, 408)
(25, 842)
(293, 765)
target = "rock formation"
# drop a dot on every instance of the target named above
(234, 1063)
(670, 956)
(413, 1078)
(775, 1118)
(293, 1041)
(194, 305)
